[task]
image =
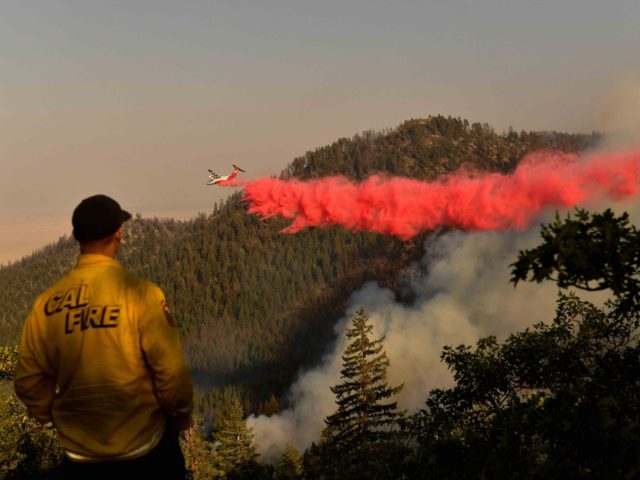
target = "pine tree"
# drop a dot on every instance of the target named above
(198, 453)
(234, 448)
(290, 465)
(365, 425)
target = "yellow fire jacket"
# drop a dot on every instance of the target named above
(100, 356)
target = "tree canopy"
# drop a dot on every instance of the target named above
(558, 400)
(366, 427)
(589, 251)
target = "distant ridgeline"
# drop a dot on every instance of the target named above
(254, 305)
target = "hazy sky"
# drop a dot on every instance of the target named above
(136, 99)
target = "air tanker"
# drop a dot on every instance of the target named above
(215, 179)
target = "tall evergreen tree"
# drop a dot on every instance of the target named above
(289, 467)
(235, 449)
(198, 453)
(365, 429)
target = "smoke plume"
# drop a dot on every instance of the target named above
(485, 201)
(465, 295)
(618, 114)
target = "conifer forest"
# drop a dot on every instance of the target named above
(255, 307)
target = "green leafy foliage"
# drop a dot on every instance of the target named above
(8, 359)
(555, 401)
(559, 400)
(27, 449)
(587, 251)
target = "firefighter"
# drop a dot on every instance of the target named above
(101, 361)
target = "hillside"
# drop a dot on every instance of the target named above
(254, 305)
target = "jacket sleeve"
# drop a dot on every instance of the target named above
(160, 342)
(35, 377)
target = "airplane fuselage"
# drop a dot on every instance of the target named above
(215, 179)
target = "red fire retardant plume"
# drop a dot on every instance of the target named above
(483, 201)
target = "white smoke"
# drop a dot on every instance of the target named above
(618, 113)
(465, 295)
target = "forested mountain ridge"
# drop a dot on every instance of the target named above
(429, 148)
(255, 305)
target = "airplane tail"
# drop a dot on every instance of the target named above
(238, 168)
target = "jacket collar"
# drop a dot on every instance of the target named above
(96, 259)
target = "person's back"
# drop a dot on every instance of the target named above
(100, 357)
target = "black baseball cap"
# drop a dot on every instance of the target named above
(97, 217)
